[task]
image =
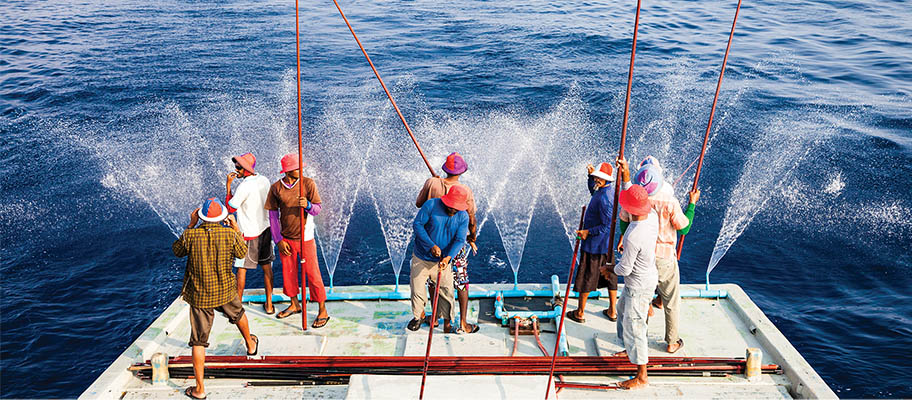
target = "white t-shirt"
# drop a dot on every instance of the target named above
(637, 264)
(309, 228)
(250, 200)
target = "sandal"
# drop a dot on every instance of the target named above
(574, 315)
(680, 343)
(320, 322)
(285, 313)
(473, 329)
(268, 311)
(414, 324)
(257, 348)
(610, 318)
(189, 393)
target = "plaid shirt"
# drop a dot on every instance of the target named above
(208, 280)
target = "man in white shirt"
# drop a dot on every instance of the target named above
(249, 201)
(637, 266)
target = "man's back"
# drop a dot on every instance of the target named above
(212, 248)
(249, 199)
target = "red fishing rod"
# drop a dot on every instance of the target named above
(427, 352)
(300, 174)
(712, 113)
(617, 183)
(560, 328)
(388, 95)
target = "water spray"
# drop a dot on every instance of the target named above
(712, 113)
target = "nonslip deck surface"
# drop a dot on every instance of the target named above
(710, 328)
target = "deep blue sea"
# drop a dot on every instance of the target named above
(118, 117)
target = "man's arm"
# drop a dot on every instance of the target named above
(179, 248)
(682, 220)
(625, 266)
(423, 193)
(421, 234)
(275, 226)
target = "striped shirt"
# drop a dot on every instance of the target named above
(208, 279)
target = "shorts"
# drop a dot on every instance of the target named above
(259, 251)
(461, 268)
(588, 277)
(201, 320)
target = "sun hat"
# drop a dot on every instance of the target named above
(212, 210)
(246, 160)
(455, 164)
(649, 177)
(290, 163)
(456, 198)
(604, 171)
(650, 160)
(635, 200)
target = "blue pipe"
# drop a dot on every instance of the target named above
(480, 294)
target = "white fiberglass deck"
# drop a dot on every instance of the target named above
(710, 328)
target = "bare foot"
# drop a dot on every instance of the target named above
(675, 346)
(651, 312)
(621, 354)
(634, 383)
(657, 303)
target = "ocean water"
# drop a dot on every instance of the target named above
(117, 117)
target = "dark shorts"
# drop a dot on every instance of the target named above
(259, 251)
(588, 277)
(201, 320)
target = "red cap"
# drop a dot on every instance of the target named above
(457, 198)
(635, 200)
(290, 163)
(604, 171)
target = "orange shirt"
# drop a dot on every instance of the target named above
(671, 218)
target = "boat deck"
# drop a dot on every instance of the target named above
(717, 327)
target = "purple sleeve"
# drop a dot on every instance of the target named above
(314, 208)
(275, 227)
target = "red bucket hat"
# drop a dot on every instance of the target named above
(247, 161)
(635, 200)
(457, 198)
(290, 163)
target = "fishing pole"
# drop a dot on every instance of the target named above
(617, 187)
(712, 112)
(388, 95)
(563, 307)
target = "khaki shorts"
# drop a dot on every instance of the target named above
(201, 320)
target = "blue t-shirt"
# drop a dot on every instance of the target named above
(598, 220)
(433, 227)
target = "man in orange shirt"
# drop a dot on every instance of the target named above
(672, 222)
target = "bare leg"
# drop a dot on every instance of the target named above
(463, 295)
(640, 381)
(199, 360)
(612, 303)
(582, 304)
(244, 327)
(241, 282)
(267, 282)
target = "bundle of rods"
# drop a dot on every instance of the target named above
(337, 369)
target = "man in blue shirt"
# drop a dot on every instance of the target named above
(441, 227)
(596, 256)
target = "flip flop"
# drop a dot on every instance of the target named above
(474, 329)
(605, 313)
(189, 393)
(285, 314)
(573, 315)
(255, 350)
(265, 310)
(681, 346)
(320, 322)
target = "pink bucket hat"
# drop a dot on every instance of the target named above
(290, 163)
(247, 161)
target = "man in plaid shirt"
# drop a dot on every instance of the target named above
(209, 284)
